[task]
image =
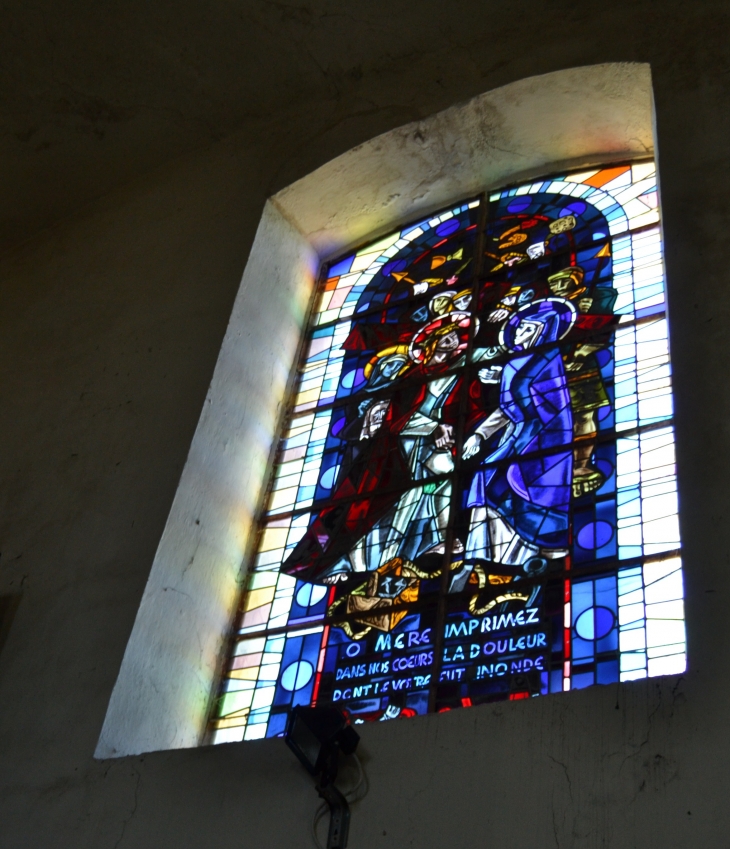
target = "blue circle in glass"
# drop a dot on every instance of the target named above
(310, 594)
(577, 207)
(328, 478)
(353, 379)
(595, 534)
(603, 357)
(519, 204)
(396, 265)
(605, 467)
(447, 227)
(338, 425)
(297, 675)
(599, 235)
(594, 623)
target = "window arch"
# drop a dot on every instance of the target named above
(474, 497)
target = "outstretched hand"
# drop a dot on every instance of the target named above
(490, 375)
(472, 445)
(444, 436)
(497, 315)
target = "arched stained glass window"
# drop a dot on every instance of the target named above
(474, 498)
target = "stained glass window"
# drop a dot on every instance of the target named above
(474, 497)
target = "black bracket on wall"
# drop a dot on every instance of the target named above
(317, 735)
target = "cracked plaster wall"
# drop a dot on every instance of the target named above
(112, 323)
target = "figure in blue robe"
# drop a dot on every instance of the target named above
(520, 495)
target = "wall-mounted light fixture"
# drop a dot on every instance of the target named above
(317, 735)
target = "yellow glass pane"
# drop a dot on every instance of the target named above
(308, 396)
(232, 722)
(256, 598)
(325, 300)
(283, 498)
(273, 538)
(247, 673)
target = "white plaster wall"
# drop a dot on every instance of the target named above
(531, 127)
(164, 690)
(110, 328)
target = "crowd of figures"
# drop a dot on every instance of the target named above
(474, 497)
(475, 415)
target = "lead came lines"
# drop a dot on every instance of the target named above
(646, 614)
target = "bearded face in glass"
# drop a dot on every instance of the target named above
(446, 348)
